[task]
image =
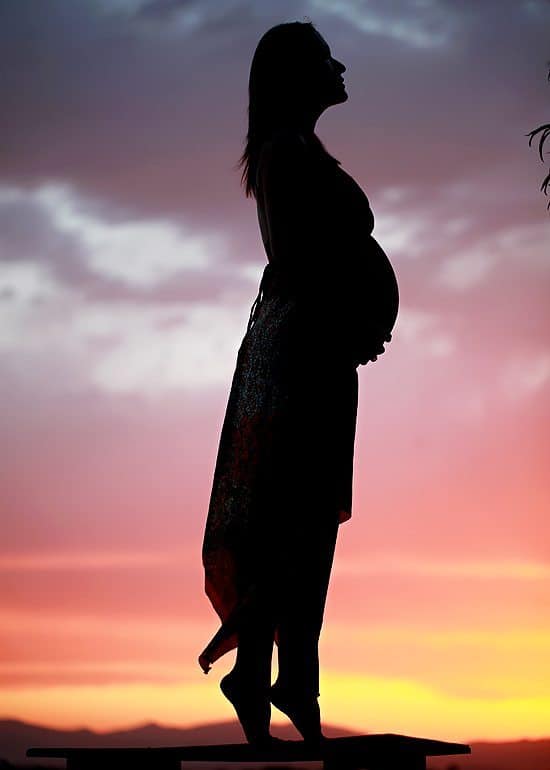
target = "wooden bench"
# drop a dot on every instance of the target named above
(384, 751)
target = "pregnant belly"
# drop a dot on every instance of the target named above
(376, 293)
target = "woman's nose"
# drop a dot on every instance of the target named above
(341, 66)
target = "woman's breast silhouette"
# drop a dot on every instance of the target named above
(327, 302)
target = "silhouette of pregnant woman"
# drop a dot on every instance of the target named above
(327, 302)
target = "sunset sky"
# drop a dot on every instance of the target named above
(130, 260)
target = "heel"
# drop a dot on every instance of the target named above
(253, 711)
(303, 712)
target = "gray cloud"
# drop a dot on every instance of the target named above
(417, 23)
(163, 9)
(29, 233)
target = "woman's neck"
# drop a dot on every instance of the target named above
(300, 122)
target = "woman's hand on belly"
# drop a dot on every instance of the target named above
(372, 352)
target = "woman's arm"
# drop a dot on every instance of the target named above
(295, 210)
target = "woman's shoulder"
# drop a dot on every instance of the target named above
(288, 148)
(283, 154)
(284, 143)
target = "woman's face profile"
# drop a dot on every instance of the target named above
(328, 82)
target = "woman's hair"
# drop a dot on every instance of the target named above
(279, 80)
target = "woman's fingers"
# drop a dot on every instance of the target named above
(377, 350)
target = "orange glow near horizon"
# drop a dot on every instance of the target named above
(358, 703)
(74, 669)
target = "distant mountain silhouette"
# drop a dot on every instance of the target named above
(17, 736)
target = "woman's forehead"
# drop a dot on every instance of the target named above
(322, 42)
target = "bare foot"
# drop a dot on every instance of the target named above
(304, 714)
(253, 711)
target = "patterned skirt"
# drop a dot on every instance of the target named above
(285, 459)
